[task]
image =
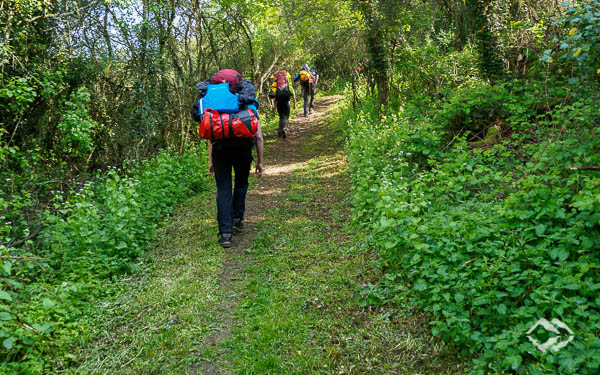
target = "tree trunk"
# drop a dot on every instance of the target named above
(376, 47)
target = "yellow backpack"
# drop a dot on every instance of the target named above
(305, 76)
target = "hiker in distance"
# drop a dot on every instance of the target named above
(308, 80)
(227, 111)
(281, 91)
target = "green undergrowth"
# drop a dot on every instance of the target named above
(91, 236)
(481, 218)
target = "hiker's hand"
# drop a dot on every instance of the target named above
(259, 170)
(211, 170)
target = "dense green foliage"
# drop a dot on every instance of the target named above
(582, 42)
(489, 239)
(481, 199)
(93, 234)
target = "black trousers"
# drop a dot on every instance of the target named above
(283, 108)
(308, 90)
(228, 154)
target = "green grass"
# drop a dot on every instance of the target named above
(163, 313)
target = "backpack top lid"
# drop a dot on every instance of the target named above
(281, 78)
(230, 76)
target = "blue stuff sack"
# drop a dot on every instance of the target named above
(219, 98)
(254, 106)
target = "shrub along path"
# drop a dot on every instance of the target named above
(282, 300)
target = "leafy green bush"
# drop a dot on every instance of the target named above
(424, 69)
(76, 126)
(92, 235)
(580, 42)
(488, 240)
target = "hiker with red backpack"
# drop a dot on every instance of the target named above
(227, 111)
(280, 92)
(308, 78)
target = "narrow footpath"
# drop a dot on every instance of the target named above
(282, 300)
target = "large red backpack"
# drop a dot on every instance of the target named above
(283, 86)
(217, 125)
(281, 78)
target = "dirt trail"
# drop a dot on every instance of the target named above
(281, 157)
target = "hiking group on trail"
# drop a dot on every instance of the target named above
(281, 92)
(227, 112)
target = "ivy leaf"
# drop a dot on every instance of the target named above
(540, 229)
(5, 296)
(44, 327)
(8, 343)
(47, 303)
(385, 222)
(559, 253)
(420, 285)
(501, 308)
(5, 316)
(7, 267)
(513, 361)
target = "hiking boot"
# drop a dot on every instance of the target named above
(225, 240)
(238, 225)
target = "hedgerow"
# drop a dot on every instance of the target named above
(488, 234)
(91, 235)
